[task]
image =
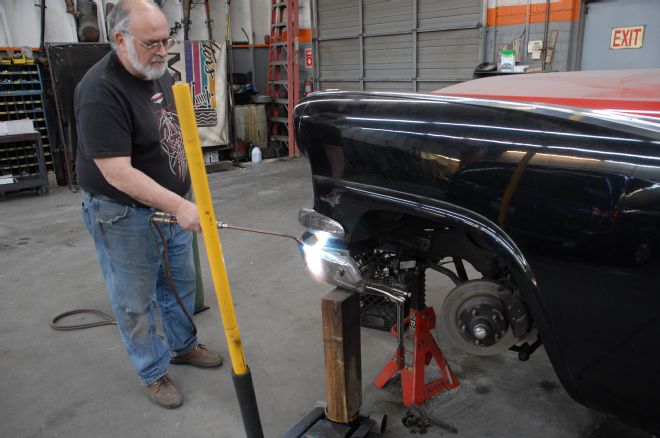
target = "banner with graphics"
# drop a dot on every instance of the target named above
(203, 65)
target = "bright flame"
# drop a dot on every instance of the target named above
(314, 254)
(313, 258)
(321, 238)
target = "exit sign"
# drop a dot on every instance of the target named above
(630, 37)
(309, 60)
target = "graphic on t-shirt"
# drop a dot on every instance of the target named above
(157, 98)
(171, 140)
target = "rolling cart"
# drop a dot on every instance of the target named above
(22, 164)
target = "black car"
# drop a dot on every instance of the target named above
(558, 209)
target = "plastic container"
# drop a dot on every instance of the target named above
(507, 60)
(255, 154)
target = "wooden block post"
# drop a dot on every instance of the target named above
(341, 347)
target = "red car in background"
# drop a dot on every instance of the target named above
(631, 92)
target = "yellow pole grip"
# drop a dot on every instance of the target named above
(192, 145)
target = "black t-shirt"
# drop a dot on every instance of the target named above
(120, 115)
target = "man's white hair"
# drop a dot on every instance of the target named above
(119, 19)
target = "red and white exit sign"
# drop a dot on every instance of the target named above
(309, 60)
(631, 37)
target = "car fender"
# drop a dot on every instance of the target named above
(361, 199)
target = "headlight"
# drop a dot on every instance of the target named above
(315, 221)
(325, 253)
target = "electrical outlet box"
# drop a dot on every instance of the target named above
(535, 46)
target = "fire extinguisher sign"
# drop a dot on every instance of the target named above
(308, 58)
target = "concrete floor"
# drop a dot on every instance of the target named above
(81, 384)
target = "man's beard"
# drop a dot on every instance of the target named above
(148, 71)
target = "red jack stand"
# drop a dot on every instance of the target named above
(415, 390)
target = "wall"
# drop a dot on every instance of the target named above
(602, 16)
(253, 16)
(23, 26)
(509, 19)
(260, 25)
(22, 20)
(404, 45)
(243, 64)
(5, 36)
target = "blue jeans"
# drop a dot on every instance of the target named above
(130, 258)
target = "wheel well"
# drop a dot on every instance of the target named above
(398, 248)
(427, 240)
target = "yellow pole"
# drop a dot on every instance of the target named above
(191, 143)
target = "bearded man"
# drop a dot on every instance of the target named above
(130, 163)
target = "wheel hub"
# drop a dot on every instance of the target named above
(484, 323)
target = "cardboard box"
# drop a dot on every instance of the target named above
(14, 127)
(211, 157)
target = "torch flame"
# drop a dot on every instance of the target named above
(314, 254)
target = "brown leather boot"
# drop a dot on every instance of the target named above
(200, 356)
(164, 393)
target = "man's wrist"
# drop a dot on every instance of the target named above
(179, 204)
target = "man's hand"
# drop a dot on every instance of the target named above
(119, 172)
(187, 216)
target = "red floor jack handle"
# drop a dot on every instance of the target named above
(415, 390)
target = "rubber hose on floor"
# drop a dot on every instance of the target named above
(105, 320)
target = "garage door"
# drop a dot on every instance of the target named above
(621, 34)
(396, 45)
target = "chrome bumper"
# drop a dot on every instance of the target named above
(332, 265)
(324, 253)
(327, 259)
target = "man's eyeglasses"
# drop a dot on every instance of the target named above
(152, 46)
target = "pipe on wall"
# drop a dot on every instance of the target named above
(545, 32)
(483, 37)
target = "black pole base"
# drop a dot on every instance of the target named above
(315, 424)
(248, 404)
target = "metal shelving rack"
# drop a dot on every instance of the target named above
(22, 97)
(22, 163)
